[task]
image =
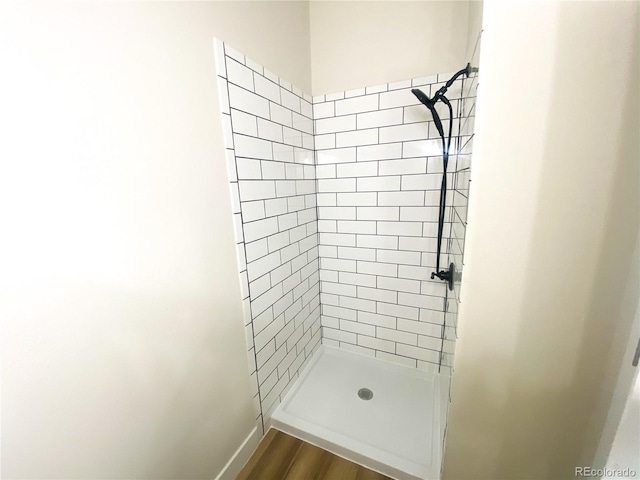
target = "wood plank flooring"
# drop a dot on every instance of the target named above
(283, 457)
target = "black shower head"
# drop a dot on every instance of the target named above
(422, 97)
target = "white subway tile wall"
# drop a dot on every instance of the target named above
(379, 175)
(270, 156)
(335, 203)
(460, 200)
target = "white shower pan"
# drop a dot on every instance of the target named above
(398, 432)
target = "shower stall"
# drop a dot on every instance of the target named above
(344, 204)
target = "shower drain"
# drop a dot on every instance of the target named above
(365, 394)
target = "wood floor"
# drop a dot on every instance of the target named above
(280, 456)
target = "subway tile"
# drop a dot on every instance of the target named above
(399, 256)
(368, 169)
(337, 185)
(397, 336)
(323, 142)
(292, 137)
(400, 311)
(376, 343)
(287, 222)
(357, 199)
(421, 182)
(409, 229)
(418, 113)
(248, 102)
(283, 153)
(257, 190)
(325, 171)
(227, 131)
(289, 100)
(377, 294)
(378, 213)
(432, 317)
(276, 206)
(421, 328)
(339, 312)
(397, 98)
(419, 214)
(376, 268)
(378, 184)
(418, 353)
(260, 229)
(266, 88)
(293, 172)
(355, 327)
(419, 244)
(220, 58)
(357, 138)
(359, 304)
(280, 115)
(413, 272)
(338, 289)
(327, 226)
(400, 84)
(422, 148)
(339, 335)
(380, 118)
(248, 169)
(399, 284)
(335, 124)
(422, 301)
(263, 265)
(365, 103)
(303, 123)
(356, 253)
(285, 188)
(244, 123)
(253, 210)
(429, 342)
(278, 241)
(377, 319)
(269, 130)
(357, 279)
(390, 357)
(257, 249)
(337, 213)
(339, 155)
(403, 167)
(330, 322)
(334, 96)
(403, 133)
(354, 93)
(377, 241)
(252, 147)
(376, 89)
(340, 239)
(306, 108)
(347, 226)
(323, 110)
(239, 74)
(379, 152)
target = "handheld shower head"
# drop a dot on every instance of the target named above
(422, 97)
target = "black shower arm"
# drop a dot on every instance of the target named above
(468, 70)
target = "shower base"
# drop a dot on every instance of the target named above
(397, 432)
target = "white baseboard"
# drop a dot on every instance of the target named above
(242, 455)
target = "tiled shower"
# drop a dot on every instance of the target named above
(335, 208)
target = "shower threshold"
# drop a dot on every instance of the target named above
(384, 416)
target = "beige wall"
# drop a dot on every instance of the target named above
(122, 343)
(552, 224)
(357, 44)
